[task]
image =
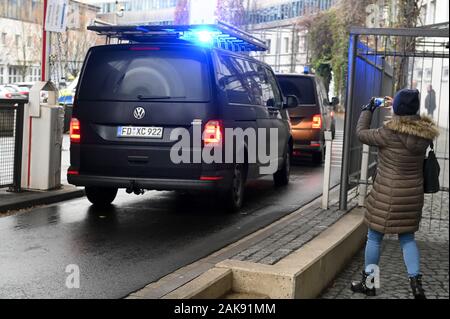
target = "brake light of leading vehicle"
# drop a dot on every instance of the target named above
(317, 122)
(8, 95)
(212, 134)
(75, 132)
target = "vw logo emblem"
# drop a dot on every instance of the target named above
(139, 113)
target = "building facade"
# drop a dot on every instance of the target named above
(21, 40)
(431, 75)
(276, 22)
(135, 11)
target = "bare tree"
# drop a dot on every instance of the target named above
(408, 17)
(182, 12)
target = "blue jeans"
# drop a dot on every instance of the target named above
(410, 250)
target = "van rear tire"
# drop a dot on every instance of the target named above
(318, 157)
(281, 177)
(234, 195)
(101, 196)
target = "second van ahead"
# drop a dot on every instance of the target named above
(130, 99)
(313, 116)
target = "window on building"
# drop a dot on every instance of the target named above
(432, 12)
(1, 75)
(423, 14)
(3, 38)
(14, 74)
(428, 73)
(445, 74)
(419, 75)
(269, 45)
(17, 40)
(286, 45)
(29, 41)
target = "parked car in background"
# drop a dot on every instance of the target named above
(25, 87)
(65, 99)
(7, 118)
(22, 90)
(312, 117)
(8, 92)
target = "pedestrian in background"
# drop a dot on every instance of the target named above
(430, 101)
(395, 203)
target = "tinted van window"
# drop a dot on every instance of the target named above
(246, 82)
(126, 74)
(301, 87)
(232, 79)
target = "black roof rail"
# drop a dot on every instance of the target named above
(220, 35)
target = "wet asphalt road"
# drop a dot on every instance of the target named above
(137, 241)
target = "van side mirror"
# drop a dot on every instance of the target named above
(270, 102)
(291, 102)
(334, 101)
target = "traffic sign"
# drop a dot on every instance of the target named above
(56, 17)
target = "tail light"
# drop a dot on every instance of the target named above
(75, 132)
(212, 134)
(8, 95)
(317, 122)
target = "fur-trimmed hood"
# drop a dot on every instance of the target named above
(415, 125)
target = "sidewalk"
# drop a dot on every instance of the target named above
(258, 258)
(433, 241)
(10, 202)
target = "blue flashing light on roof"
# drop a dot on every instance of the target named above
(219, 35)
(307, 69)
(205, 36)
(200, 37)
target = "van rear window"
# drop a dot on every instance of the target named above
(301, 87)
(124, 74)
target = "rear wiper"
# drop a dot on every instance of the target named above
(142, 97)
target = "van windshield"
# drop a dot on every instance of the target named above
(145, 73)
(301, 87)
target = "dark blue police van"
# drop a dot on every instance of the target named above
(132, 96)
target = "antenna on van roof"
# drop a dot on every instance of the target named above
(220, 35)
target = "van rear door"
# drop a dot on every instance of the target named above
(130, 99)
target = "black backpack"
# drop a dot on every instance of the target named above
(431, 171)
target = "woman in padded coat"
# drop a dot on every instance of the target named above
(395, 203)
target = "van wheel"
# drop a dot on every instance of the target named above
(281, 177)
(318, 157)
(234, 196)
(100, 196)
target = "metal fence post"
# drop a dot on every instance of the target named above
(364, 171)
(347, 127)
(17, 180)
(327, 170)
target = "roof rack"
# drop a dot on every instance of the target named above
(220, 35)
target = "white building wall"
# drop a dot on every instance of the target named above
(19, 41)
(434, 72)
(287, 49)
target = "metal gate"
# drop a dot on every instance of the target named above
(11, 134)
(381, 62)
